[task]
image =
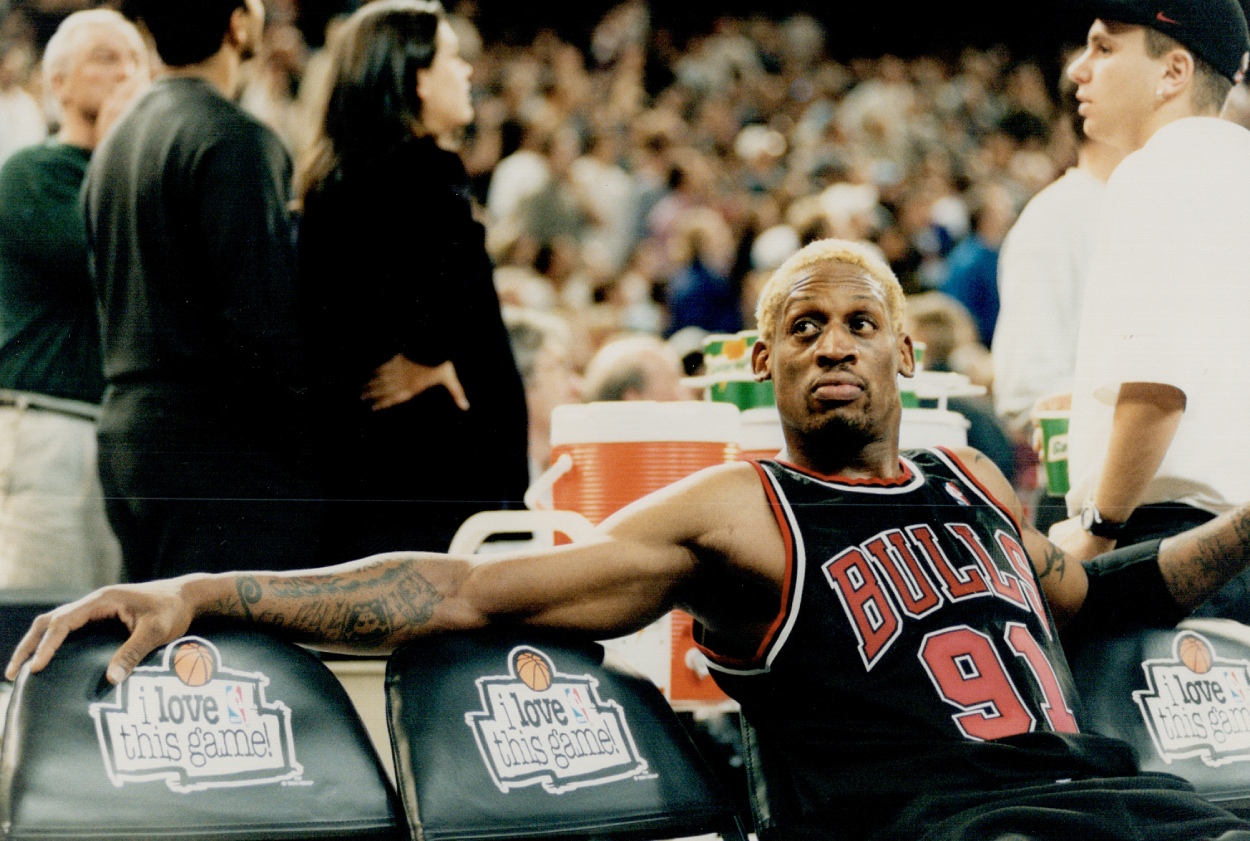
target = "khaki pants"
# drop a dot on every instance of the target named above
(53, 529)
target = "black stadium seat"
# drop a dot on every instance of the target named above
(1180, 697)
(19, 607)
(526, 735)
(224, 734)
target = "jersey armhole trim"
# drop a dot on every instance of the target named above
(758, 660)
(967, 474)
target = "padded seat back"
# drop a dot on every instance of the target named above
(223, 734)
(527, 735)
(1180, 697)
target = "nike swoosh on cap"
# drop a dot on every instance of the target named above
(1165, 19)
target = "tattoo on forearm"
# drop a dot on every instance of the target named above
(1198, 562)
(227, 606)
(1055, 562)
(366, 607)
(249, 594)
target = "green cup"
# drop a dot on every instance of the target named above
(729, 356)
(744, 395)
(1054, 427)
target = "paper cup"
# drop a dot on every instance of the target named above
(1054, 456)
(729, 357)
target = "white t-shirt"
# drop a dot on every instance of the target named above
(1168, 301)
(1042, 269)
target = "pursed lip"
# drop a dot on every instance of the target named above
(838, 386)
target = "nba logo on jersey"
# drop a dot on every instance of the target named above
(195, 724)
(957, 494)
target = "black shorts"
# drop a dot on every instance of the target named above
(1147, 807)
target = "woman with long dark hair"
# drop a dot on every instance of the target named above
(423, 408)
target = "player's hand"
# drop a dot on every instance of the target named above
(155, 614)
(1079, 544)
(399, 379)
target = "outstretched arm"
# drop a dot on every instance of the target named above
(375, 604)
(659, 553)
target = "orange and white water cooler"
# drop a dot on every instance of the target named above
(607, 455)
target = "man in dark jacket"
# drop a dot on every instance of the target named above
(191, 242)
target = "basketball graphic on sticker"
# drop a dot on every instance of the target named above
(1195, 654)
(193, 663)
(533, 670)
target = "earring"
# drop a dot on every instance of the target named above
(1159, 94)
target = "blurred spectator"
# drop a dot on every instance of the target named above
(521, 173)
(540, 343)
(1042, 268)
(972, 266)
(189, 232)
(53, 529)
(701, 292)
(951, 344)
(422, 407)
(270, 92)
(604, 188)
(559, 211)
(635, 368)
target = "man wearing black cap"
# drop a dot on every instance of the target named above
(1158, 436)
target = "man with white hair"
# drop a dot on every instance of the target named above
(53, 531)
(639, 367)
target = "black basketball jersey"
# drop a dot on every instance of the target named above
(914, 654)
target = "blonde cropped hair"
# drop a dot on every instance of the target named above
(803, 263)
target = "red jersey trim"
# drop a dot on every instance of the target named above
(905, 478)
(787, 583)
(976, 483)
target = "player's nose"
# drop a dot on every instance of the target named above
(836, 344)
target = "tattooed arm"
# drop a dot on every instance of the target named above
(1193, 565)
(363, 600)
(1063, 580)
(372, 605)
(670, 549)
(1198, 562)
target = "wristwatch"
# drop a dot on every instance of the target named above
(1092, 522)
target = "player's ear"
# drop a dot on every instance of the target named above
(760, 352)
(907, 356)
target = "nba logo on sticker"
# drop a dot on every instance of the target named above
(1197, 704)
(540, 726)
(195, 724)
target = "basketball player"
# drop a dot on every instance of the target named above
(887, 625)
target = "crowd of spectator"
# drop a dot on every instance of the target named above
(643, 183)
